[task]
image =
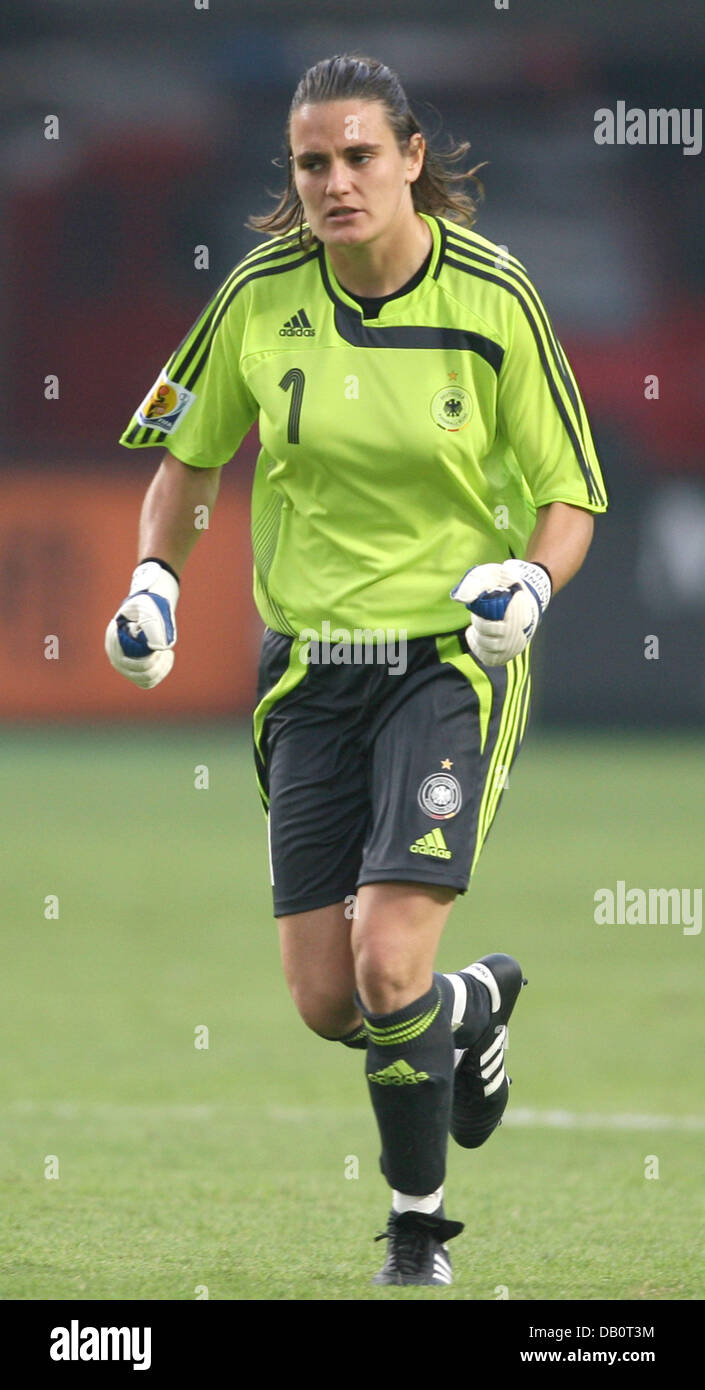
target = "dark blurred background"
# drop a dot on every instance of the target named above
(169, 118)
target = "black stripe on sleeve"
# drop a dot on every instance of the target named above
(518, 291)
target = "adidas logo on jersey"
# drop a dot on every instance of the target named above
(297, 327)
(433, 844)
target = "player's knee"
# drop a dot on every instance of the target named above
(329, 1018)
(394, 940)
(386, 980)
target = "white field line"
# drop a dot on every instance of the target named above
(72, 1110)
(527, 1118)
(520, 1117)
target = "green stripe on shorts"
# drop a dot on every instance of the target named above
(451, 649)
(295, 672)
(512, 722)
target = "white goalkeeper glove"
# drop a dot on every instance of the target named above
(507, 603)
(140, 638)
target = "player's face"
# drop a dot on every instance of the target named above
(346, 156)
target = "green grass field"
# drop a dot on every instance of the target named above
(226, 1168)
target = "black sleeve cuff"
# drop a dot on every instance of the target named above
(538, 565)
(163, 563)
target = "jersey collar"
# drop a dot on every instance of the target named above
(343, 300)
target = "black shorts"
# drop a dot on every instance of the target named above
(372, 773)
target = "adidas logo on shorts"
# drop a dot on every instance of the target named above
(298, 326)
(433, 844)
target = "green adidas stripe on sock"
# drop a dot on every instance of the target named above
(402, 1032)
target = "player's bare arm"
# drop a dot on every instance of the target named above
(166, 526)
(141, 637)
(560, 541)
(508, 600)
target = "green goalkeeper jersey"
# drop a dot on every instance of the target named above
(395, 452)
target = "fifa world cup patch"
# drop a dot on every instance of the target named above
(165, 405)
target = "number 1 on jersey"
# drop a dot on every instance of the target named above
(294, 378)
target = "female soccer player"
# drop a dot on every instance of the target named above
(424, 452)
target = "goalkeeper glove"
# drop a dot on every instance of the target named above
(140, 638)
(507, 602)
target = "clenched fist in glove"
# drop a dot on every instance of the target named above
(507, 603)
(140, 638)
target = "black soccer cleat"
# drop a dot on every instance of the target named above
(417, 1253)
(481, 1088)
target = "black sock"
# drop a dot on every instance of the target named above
(476, 1011)
(409, 1072)
(356, 1038)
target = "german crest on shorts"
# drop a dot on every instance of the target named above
(440, 796)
